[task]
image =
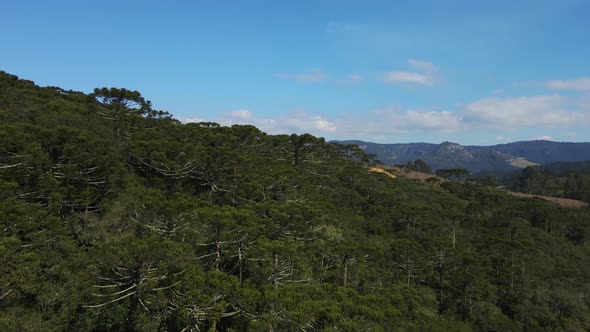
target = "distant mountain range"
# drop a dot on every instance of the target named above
(478, 159)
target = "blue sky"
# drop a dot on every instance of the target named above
(386, 71)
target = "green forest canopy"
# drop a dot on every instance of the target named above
(566, 180)
(116, 216)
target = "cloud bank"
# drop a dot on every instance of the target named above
(577, 84)
(497, 113)
(530, 111)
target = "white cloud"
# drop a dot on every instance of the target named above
(499, 91)
(424, 75)
(385, 122)
(425, 66)
(300, 121)
(503, 139)
(190, 119)
(405, 120)
(243, 115)
(530, 111)
(408, 77)
(313, 75)
(439, 120)
(500, 114)
(296, 121)
(543, 138)
(240, 116)
(577, 84)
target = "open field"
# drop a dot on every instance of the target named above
(394, 172)
(565, 202)
(383, 171)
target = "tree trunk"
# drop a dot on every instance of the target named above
(217, 255)
(440, 281)
(296, 156)
(409, 267)
(454, 237)
(345, 277)
(464, 288)
(275, 269)
(512, 270)
(240, 265)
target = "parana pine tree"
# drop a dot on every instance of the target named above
(114, 216)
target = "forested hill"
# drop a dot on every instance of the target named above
(116, 217)
(494, 159)
(564, 180)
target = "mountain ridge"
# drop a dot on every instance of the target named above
(498, 158)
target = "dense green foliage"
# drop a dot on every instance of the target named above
(114, 216)
(567, 180)
(421, 166)
(459, 174)
(418, 165)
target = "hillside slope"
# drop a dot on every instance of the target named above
(116, 217)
